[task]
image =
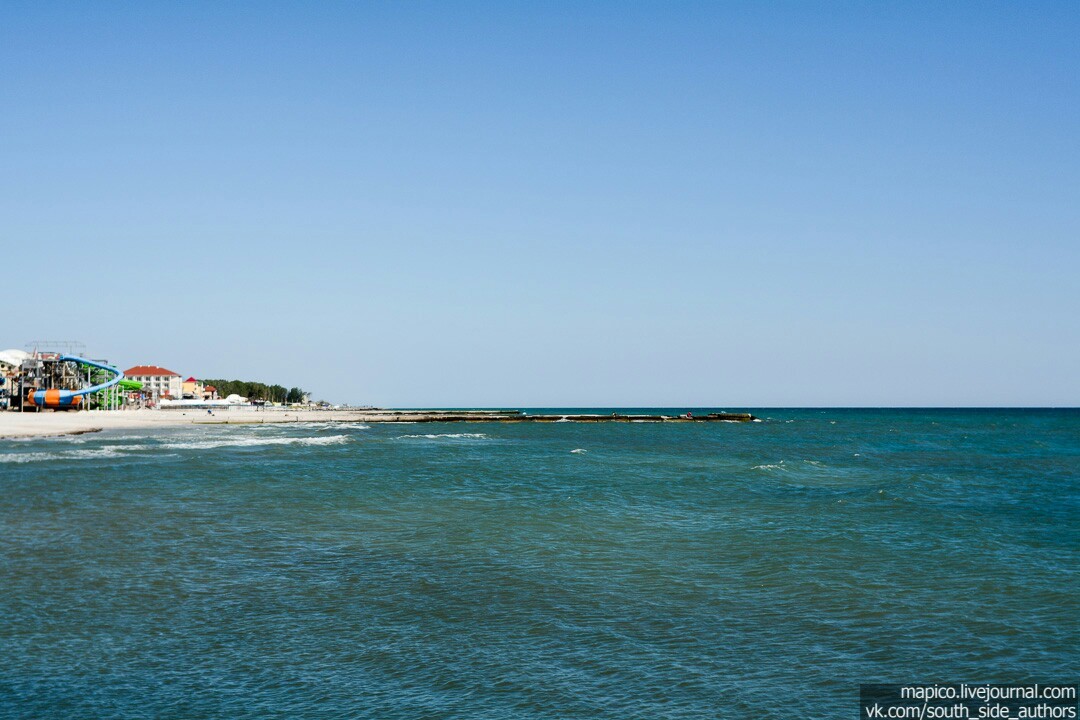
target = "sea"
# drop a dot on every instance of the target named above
(565, 570)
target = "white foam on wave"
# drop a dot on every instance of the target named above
(80, 454)
(769, 466)
(66, 439)
(117, 438)
(63, 453)
(454, 436)
(332, 425)
(255, 442)
(578, 451)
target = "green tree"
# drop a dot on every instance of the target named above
(254, 390)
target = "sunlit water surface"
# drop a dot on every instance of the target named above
(537, 571)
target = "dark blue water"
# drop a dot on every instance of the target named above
(487, 571)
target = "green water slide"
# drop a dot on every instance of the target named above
(113, 396)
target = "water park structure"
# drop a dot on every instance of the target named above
(58, 381)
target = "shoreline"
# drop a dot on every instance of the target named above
(15, 425)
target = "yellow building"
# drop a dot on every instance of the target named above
(193, 389)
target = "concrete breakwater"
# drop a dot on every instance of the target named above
(468, 416)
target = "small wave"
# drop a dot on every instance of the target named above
(329, 425)
(81, 454)
(67, 439)
(455, 436)
(255, 442)
(117, 438)
(769, 466)
(579, 451)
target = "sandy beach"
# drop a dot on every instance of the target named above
(44, 424)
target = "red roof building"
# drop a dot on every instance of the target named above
(149, 371)
(157, 381)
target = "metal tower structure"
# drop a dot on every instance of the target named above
(62, 347)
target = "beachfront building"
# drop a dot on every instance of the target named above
(157, 382)
(192, 389)
(195, 390)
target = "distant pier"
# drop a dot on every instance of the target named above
(519, 416)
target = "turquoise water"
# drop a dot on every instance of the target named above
(487, 571)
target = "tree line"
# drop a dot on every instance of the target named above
(257, 390)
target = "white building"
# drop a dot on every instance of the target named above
(158, 383)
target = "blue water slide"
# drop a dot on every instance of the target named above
(72, 398)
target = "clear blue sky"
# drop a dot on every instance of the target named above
(553, 204)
